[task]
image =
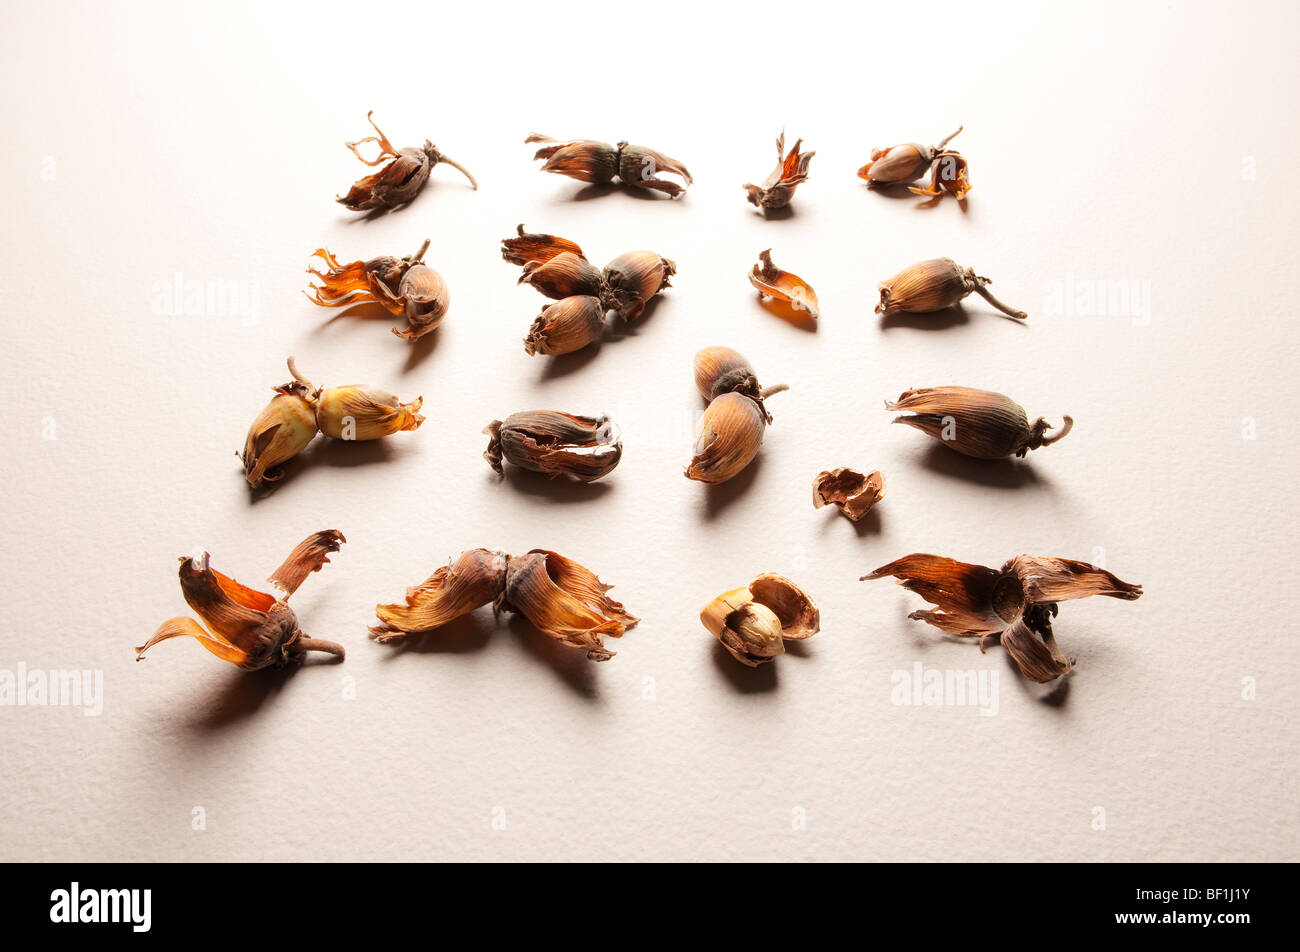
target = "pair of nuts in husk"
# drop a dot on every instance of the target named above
(791, 171)
(398, 182)
(555, 443)
(731, 429)
(298, 411)
(246, 627)
(559, 597)
(1015, 604)
(406, 287)
(585, 295)
(904, 164)
(934, 285)
(599, 163)
(753, 623)
(848, 490)
(978, 423)
(771, 282)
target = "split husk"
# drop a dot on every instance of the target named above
(398, 182)
(600, 163)
(248, 628)
(1015, 604)
(560, 598)
(791, 171)
(404, 286)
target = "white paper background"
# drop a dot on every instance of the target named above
(1107, 141)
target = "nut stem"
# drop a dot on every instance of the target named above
(1066, 427)
(988, 296)
(944, 142)
(320, 644)
(443, 157)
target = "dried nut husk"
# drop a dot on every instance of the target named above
(588, 160)
(851, 492)
(771, 281)
(358, 412)
(791, 171)
(933, 285)
(1015, 603)
(566, 326)
(632, 279)
(559, 597)
(398, 182)
(281, 431)
(900, 164)
(528, 248)
(476, 577)
(727, 439)
(565, 601)
(949, 172)
(753, 623)
(978, 423)
(246, 627)
(404, 286)
(562, 276)
(555, 443)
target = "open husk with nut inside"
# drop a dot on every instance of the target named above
(753, 623)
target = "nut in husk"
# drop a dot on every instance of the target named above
(401, 179)
(555, 443)
(753, 623)
(977, 423)
(933, 285)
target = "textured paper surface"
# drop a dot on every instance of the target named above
(1148, 144)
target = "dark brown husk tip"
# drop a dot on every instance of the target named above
(1015, 604)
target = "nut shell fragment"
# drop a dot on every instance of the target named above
(851, 492)
(772, 282)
